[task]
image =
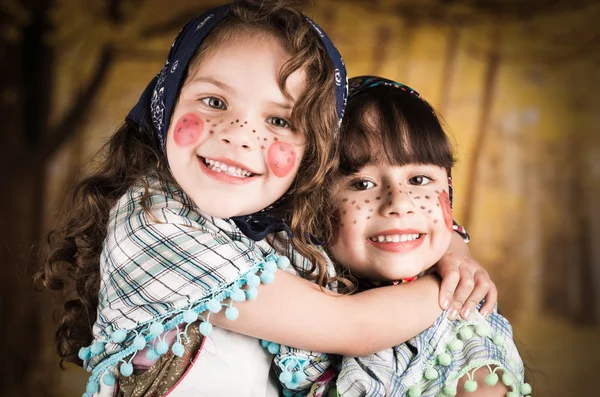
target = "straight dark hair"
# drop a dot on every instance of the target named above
(386, 122)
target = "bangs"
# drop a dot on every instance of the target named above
(388, 123)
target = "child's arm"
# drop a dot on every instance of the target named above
(464, 281)
(296, 312)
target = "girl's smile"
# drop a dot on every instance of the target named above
(231, 146)
(393, 220)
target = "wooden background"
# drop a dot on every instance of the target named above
(516, 80)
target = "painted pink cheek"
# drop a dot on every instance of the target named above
(281, 158)
(444, 200)
(188, 129)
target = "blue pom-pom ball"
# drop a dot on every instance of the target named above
(126, 369)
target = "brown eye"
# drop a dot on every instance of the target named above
(214, 103)
(279, 122)
(419, 180)
(363, 184)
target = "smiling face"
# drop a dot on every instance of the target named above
(394, 221)
(230, 144)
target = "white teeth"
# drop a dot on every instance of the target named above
(395, 238)
(228, 169)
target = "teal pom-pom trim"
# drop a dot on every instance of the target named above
(91, 387)
(139, 342)
(156, 329)
(238, 295)
(152, 355)
(267, 278)
(253, 280)
(162, 347)
(285, 377)
(189, 316)
(84, 353)
(299, 376)
(119, 336)
(170, 320)
(205, 328)
(288, 393)
(97, 348)
(178, 349)
(251, 293)
(270, 266)
(214, 306)
(273, 348)
(126, 369)
(109, 379)
(232, 313)
(283, 262)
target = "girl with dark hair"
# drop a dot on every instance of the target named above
(224, 157)
(392, 198)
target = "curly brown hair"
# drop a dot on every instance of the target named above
(134, 154)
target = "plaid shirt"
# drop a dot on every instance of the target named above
(394, 371)
(162, 259)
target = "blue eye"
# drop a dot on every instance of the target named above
(279, 122)
(214, 103)
(420, 180)
(362, 184)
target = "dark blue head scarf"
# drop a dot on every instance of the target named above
(359, 84)
(160, 96)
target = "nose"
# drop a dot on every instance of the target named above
(397, 203)
(238, 133)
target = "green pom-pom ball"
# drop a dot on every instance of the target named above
(491, 379)
(465, 333)
(449, 391)
(415, 391)
(525, 388)
(470, 385)
(431, 374)
(444, 359)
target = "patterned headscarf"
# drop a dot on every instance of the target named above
(359, 84)
(160, 96)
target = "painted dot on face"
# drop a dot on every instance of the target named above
(262, 146)
(353, 202)
(254, 131)
(245, 122)
(281, 158)
(358, 207)
(377, 198)
(344, 200)
(367, 201)
(188, 129)
(417, 197)
(422, 207)
(427, 197)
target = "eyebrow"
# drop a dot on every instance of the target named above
(283, 106)
(214, 82)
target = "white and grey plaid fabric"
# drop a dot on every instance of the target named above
(392, 372)
(165, 256)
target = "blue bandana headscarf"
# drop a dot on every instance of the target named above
(159, 98)
(359, 84)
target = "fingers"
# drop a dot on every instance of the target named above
(490, 300)
(465, 287)
(450, 279)
(481, 289)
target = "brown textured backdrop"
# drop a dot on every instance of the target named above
(516, 80)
